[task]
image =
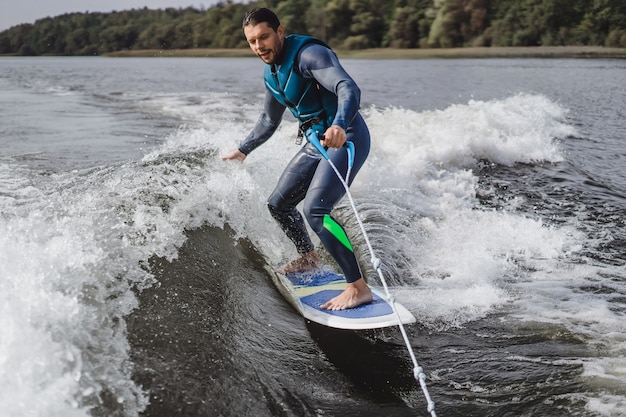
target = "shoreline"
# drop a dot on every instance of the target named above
(418, 53)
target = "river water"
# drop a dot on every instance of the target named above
(132, 258)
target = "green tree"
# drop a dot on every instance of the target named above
(404, 30)
(603, 18)
(117, 38)
(338, 20)
(315, 19)
(459, 23)
(368, 26)
(5, 44)
(78, 42)
(292, 15)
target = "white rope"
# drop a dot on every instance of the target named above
(418, 372)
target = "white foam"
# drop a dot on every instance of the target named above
(522, 128)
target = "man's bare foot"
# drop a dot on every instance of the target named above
(307, 262)
(355, 294)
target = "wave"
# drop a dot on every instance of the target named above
(77, 246)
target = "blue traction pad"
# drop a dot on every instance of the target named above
(378, 307)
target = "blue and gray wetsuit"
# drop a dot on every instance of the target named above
(310, 81)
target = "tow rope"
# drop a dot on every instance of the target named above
(418, 372)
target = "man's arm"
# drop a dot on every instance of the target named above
(317, 61)
(264, 128)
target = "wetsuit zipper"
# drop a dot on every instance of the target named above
(282, 92)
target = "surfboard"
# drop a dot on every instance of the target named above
(309, 290)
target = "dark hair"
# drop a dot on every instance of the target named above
(260, 15)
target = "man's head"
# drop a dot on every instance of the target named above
(264, 34)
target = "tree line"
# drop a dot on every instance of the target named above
(344, 24)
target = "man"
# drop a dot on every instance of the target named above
(304, 75)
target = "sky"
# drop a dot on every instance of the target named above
(14, 12)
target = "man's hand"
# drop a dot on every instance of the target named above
(235, 154)
(334, 137)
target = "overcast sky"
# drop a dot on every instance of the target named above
(14, 12)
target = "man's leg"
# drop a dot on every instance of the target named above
(324, 193)
(290, 190)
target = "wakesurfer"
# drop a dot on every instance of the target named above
(304, 75)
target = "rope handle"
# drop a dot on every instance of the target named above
(313, 138)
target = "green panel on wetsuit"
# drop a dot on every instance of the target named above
(333, 227)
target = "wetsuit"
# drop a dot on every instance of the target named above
(319, 78)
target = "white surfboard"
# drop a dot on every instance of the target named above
(308, 291)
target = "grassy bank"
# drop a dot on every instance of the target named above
(388, 53)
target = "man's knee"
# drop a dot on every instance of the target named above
(276, 204)
(275, 210)
(314, 216)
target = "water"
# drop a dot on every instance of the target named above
(132, 259)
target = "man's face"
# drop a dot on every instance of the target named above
(264, 41)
